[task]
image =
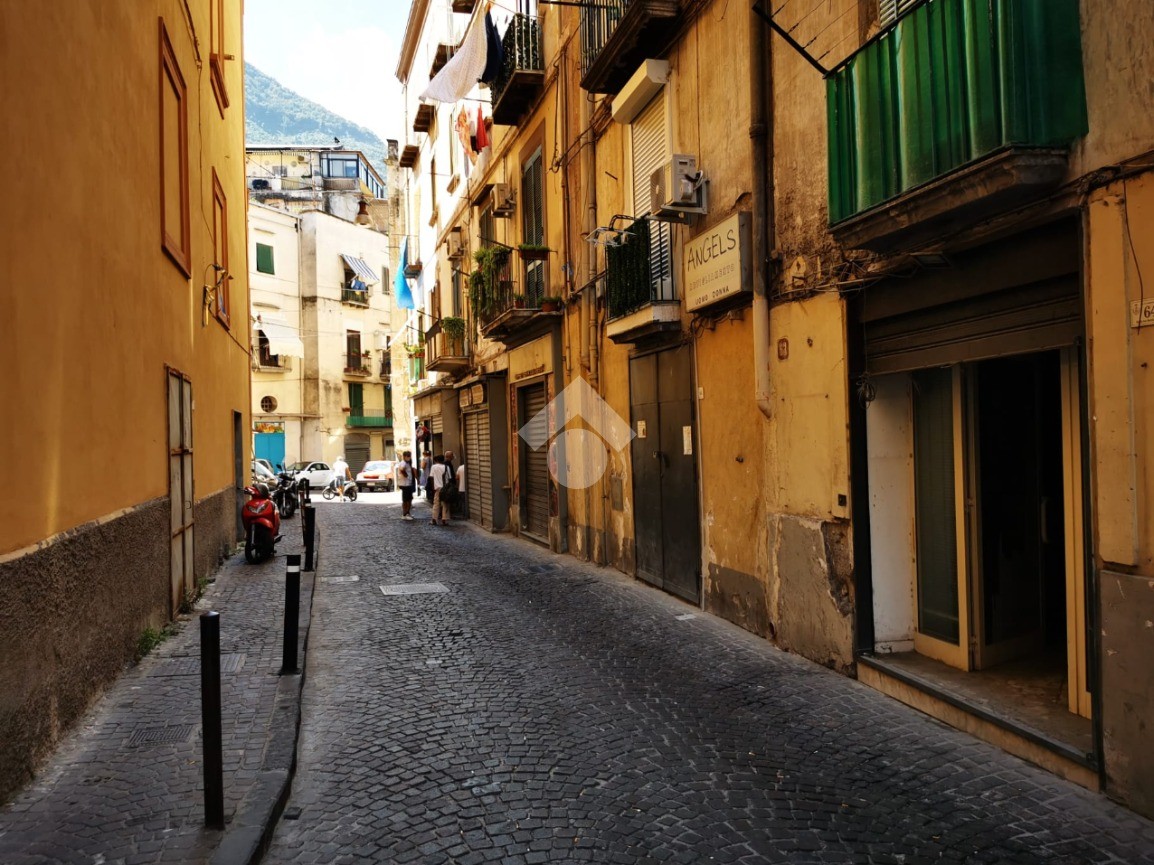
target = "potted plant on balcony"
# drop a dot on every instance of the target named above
(533, 252)
(550, 303)
(518, 301)
(454, 330)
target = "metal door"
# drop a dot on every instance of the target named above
(479, 468)
(271, 447)
(356, 452)
(667, 529)
(535, 468)
(182, 576)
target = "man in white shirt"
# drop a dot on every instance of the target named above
(340, 474)
(438, 474)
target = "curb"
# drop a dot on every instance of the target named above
(247, 838)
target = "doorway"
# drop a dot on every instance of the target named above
(666, 527)
(994, 526)
(182, 576)
(534, 468)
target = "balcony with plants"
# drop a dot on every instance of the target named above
(359, 365)
(639, 285)
(522, 74)
(447, 345)
(958, 112)
(617, 35)
(502, 310)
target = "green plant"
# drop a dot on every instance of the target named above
(554, 299)
(484, 281)
(150, 638)
(453, 328)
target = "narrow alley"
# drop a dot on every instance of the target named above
(475, 698)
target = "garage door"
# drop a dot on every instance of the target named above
(535, 481)
(479, 468)
(356, 452)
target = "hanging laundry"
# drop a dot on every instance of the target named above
(482, 132)
(401, 285)
(495, 52)
(466, 136)
(464, 68)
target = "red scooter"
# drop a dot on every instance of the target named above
(261, 524)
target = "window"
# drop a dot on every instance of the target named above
(648, 136)
(356, 399)
(386, 286)
(890, 10)
(264, 351)
(264, 258)
(268, 403)
(342, 166)
(219, 297)
(458, 289)
(533, 226)
(216, 55)
(353, 349)
(174, 209)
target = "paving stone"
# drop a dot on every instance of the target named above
(570, 716)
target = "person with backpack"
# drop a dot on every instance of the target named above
(438, 475)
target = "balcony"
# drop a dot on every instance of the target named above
(950, 117)
(359, 365)
(642, 296)
(426, 115)
(271, 363)
(522, 75)
(447, 352)
(465, 7)
(616, 35)
(363, 417)
(504, 313)
(353, 297)
(409, 156)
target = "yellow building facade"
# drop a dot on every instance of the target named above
(125, 380)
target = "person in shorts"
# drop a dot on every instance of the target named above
(406, 483)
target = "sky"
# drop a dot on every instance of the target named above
(339, 53)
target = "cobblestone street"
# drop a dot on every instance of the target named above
(544, 710)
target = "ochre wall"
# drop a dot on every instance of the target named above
(95, 307)
(1119, 223)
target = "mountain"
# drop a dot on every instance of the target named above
(275, 115)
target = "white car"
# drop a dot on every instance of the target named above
(376, 475)
(319, 474)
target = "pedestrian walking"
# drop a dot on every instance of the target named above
(341, 473)
(423, 480)
(407, 483)
(437, 476)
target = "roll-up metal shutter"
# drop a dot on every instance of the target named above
(535, 484)
(1036, 317)
(479, 468)
(356, 452)
(437, 424)
(650, 152)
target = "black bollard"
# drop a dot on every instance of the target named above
(210, 720)
(292, 612)
(309, 523)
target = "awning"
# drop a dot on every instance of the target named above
(283, 339)
(361, 269)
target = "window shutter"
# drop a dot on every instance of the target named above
(533, 224)
(264, 258)
(890, 10)
(650, 152)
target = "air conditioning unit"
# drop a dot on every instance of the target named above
(677, 190)
(504, 199)
(453, 244)
(261, 183)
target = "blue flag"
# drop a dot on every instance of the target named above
(401, 286)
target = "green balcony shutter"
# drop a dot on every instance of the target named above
(264, 258)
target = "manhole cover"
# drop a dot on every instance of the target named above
(349, 579)
(189, 665)
(177, 734)
(414, 589)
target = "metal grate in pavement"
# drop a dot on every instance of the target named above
(349, 579)
(177, 734)
(414, 589)
(189, 665)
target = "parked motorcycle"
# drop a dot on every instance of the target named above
(261, 521)
(331, 492)
(285, 495)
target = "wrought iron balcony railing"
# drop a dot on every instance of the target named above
(616, 35)
(523, 73)
(363, 417)
(639, 271)
(354, 297)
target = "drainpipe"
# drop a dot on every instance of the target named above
(761, 155)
